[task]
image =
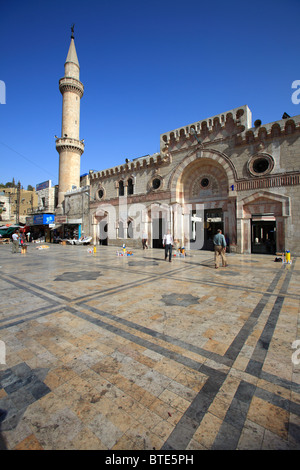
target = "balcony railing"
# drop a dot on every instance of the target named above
(40, 210)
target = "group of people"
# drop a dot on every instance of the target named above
(218, 240)
(19, 239)
(219, 247)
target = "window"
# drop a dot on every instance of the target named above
(121, 188)
(129, 229)
(156, 183)
(260, 165)
(130, 186)
(204, 182)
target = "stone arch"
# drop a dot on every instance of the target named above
(282, 203)
(215, 156)
(101, 219)
(267, 206)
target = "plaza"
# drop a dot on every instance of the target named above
(107, 352)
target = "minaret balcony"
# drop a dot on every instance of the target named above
(73, 145)
(71, 84)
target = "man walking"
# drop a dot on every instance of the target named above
(168, 243)
(220, 248)
(144, 240)
(15, 240)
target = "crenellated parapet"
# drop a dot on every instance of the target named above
(71, 84)
(219, 126)
(151, 161)
(269, 132)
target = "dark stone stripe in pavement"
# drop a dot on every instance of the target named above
(162, 336)
(190, 421)
(235, 418)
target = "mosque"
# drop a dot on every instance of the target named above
(220, 172)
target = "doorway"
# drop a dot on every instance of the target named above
(213, 221)
(103, 232)
(158, 231)
(263, 236)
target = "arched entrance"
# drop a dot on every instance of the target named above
(262, 223)
(203, 184)
(102, 227)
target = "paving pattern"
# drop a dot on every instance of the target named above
(136, 353)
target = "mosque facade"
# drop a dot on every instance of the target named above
(220, 172)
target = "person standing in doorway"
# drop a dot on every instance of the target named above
(15, 240)
(168, 243)
(220, 248)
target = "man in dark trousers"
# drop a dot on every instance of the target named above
(220, 248)
(168, 243)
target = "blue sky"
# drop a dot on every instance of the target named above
(147, 68)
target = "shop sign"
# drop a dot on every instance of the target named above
(60, 219)
(74, 221)
(29, 220)
(44, 185)
(43, 219)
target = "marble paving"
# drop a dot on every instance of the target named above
(103, 352)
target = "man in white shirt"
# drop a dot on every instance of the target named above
(15, 240)
(167, 243)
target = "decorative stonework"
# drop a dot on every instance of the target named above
(72, 145)
(154, 161)
(264, 202)
(273, 181)
(100, 193)
(231, 122)
(199, 186)
(268, 132)
(156, 183)
(260, 164)
(217, 158)
(71, 84)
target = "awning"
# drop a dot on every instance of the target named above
(9, 230)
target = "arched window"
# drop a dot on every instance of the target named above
(130, 186)
(130, 229)
(121, 188)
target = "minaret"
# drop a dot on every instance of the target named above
(69, 147)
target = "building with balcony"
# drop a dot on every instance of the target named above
(21, 203)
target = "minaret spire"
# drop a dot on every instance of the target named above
(69, 146)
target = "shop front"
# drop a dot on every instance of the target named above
(66, 228)
(40, 228)
(263, 218)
